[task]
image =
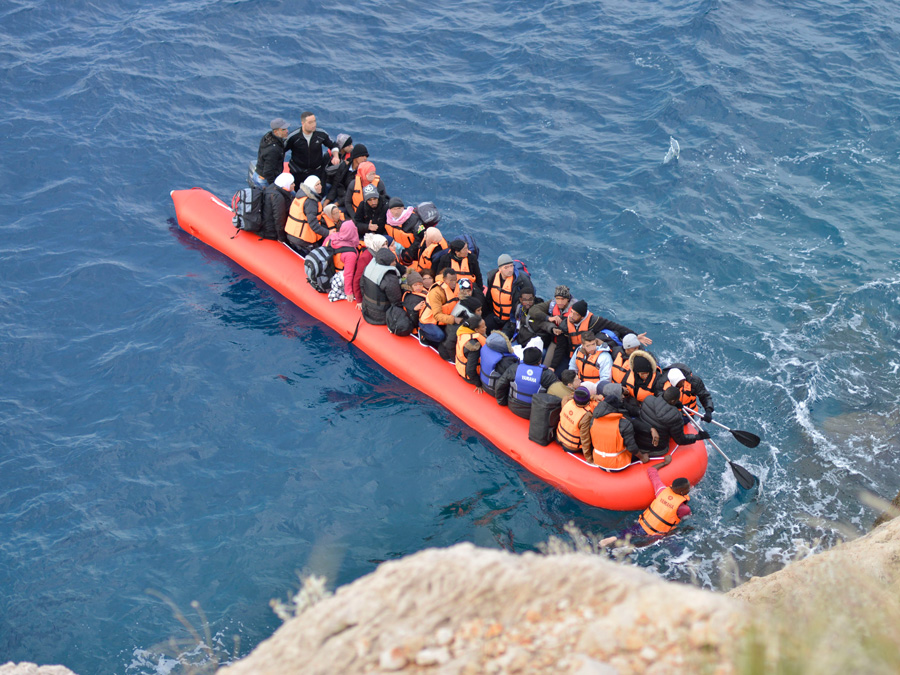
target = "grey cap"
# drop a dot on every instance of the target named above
(613, 389)
(384, 256)
(280, 123)
(504, 259)
(370, 192)
(630, 340)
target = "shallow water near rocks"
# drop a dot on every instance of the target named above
(172, 423)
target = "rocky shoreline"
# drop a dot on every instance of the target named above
(466, 610)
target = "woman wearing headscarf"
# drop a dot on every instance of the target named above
(345, 261)
(432, 243)
(365, 175)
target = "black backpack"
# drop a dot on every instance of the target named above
(319, 265)
(247, 207)
(545, 409)
(398, 321)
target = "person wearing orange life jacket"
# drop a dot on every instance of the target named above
(643, 377)
(303, 228)
(581, 320)
(592, 360)
(332, 217)
(461, 259)
(345, 177)
(630, 344)
(669, 506)
(404, 226)
(501, 294)
(432, 242)
(612, 434)
(691, 387)
(365, 176)
(441, 300)
(470, 338)
(548, 321)
(574, 429)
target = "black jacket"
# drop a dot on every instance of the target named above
(474, 269)
(308, 158)
(521, 284)
(338, 176)
(270, 158)
(348, 194)
(366, 213)
(518, 407)
(275, 205)
(697, 386)
(666, 419)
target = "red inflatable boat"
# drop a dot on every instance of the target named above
(209, 219)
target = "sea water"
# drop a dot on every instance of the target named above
(172, 424)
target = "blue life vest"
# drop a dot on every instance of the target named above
(489, 361)
(527, 382)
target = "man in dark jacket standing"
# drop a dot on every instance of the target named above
(270, 158)
(275, 204)
(662, 415)
(305, 145)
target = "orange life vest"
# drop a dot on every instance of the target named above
(405, 239)
(662, 514)
(425, 262)
(555, 311)
(501, 296)
(356, 199)
(462, 358)
(298, 226)
(586, 364)
(446, 308)
(568, 433)
(619, 367)
(609, 446)
(462, 269)
(339, 263)
(687, 396)
(639, 389)
(576, 331)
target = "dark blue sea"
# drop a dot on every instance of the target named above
(171, 423)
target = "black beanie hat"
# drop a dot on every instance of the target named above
(532, 356)
(641, 365)
(359, 150)
(580, 307)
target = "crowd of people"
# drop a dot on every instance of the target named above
(616, 404)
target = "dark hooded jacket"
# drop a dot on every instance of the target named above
(697, 386)
(275, 204)
(270, 158)
(666, 419)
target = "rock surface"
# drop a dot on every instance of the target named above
(470, 610)
(32, 669)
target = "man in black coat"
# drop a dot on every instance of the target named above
(371, 215)
(661, 420)
(305, 145)
(275, 204)
(270, 158)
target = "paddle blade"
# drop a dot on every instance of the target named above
(745, 438)
(744, 478)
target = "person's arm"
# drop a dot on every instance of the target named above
(587, 445)
(473, 356)
(392, 289)
(602, 323)
(280, 212)
(360, 219)
(703, 395)
(573, 364)
(475, 269)
(676, 431)
(311, 211)
(658, 485)
(502, 389)
(604, 365)
(548, 377)
(626, 428)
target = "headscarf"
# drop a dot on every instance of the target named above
(347, 235)
(432, 236)
(311, 181)
(375, 242)
(397, 222)
(363, 170)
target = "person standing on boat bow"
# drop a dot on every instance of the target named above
(306, 145)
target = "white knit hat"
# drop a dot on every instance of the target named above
(284, 180)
